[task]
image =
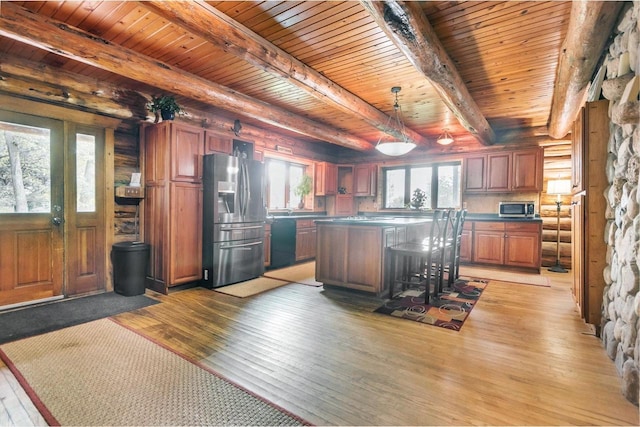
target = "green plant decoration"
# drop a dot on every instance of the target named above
(418, 199)
(164, 106)
(303, 188)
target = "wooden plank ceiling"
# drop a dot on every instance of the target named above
(506, 53)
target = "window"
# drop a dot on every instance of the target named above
(282, 178)
(440, 183)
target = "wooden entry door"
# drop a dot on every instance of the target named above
(52, 231)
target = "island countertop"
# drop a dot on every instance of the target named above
(374, 221)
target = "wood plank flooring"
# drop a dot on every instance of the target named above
(524, 357)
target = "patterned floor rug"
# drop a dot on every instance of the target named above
(449, 310)
(103, 374)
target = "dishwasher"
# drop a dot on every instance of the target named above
(283, 242)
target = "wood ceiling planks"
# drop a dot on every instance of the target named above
(505, 51)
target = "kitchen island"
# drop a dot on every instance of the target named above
(351, 252)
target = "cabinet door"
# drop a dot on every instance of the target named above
(499, 172)
(364, 180)
(527, 170)
(185, 236)
(215, 143)
(577, 152)
(522, 249)
(156, 154)
(187, 148)
(488, 247)
(364, 259)
(326, 176)
(474, 174)
(466, 244)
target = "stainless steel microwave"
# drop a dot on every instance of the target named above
(516, 209)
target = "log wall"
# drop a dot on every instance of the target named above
(557, 165)
(126, 161)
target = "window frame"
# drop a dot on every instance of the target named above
(407, 182)
(288, 163)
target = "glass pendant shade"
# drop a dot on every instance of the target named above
(395, 148)
(445, 138)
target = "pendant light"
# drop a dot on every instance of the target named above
(396, 147)
(445, 138)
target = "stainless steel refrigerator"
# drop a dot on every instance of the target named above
(233, 220)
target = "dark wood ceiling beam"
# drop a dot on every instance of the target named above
(222, 31)
(405, 24)
(589, 28)
(57, 37)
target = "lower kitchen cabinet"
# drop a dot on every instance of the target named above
(509, 243)
(305, 239)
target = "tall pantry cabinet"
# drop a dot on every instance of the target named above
(588, 206)
(172, 164)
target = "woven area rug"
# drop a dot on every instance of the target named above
(472, 272)
(101, 373)
(251, 287)
(449, 310)
(305, 274)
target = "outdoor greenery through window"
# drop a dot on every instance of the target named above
(25, 175)
(434, 186)
(282, 178)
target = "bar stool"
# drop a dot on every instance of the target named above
(417, 259)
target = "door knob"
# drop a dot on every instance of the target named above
(56, 220)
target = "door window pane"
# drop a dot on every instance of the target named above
(295, 175)
(394, 188)
(25, 169)
(85, 173)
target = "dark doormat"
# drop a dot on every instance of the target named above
(30, 321)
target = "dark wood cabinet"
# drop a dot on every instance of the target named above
(172, 164)
(511, 244)
(499, 172)
(474, 176)
(215, 143)
(326, 179)
(305, 239)
(344, 204)
(588, 221)
(504, 172)
(466, 242)
(365, 180)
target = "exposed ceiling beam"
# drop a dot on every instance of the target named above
(57, 37)
(406, 25)
(229, 35)
(589, 28)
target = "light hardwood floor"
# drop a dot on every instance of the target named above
(523, 357)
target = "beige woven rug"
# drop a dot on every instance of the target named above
(504, 276)
(251, 287)
(304, 274)
(101, 373)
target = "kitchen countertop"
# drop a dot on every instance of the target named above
(378, 221)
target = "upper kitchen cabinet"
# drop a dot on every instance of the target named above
(215, 143)
(364, 180)
(187, 149)
(504, 172)
(326, 179)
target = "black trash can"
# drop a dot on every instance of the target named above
(129, 261)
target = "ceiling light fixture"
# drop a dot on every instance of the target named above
(445, 138)
(395, 148)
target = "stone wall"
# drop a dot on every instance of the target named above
(621, 305)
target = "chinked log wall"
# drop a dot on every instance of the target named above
(557, 165)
